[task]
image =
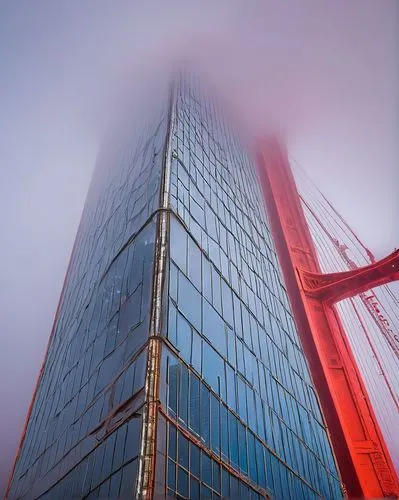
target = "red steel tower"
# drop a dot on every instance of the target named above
(364, 461)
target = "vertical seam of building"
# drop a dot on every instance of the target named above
(146, 471)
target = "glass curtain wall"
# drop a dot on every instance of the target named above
(83, 432)
(237, 413)
(238, 406)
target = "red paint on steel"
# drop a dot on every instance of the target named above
(369, 299)
(364, 462)
(334, 287)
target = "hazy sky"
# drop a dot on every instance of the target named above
(325, 71)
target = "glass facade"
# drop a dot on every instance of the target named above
(84, 430)
(237, 415)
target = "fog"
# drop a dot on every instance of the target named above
(325, 72)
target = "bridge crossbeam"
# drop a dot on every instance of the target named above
(333, 287)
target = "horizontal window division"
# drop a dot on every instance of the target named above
(181, 243)
(104, 460)
(225, 379)
(189, 455)
(226, 434)
(131, 240)
(259, 343)
(102, 415)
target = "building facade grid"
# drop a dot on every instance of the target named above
(238, 415)
(237, 358)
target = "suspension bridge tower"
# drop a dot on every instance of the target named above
(363, 457)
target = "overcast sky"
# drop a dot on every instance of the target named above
(325, 71)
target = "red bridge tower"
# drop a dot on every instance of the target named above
(363, 459)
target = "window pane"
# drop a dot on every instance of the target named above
(184, 338)
(182, 482)
(215, 425)
(214, 328)
(194, 489)
(189, 302)
(253, 473)
(213, 369)
(196, 356)
(173, 380)
(231, 388)
(172, 442)
(194, 263)
(195, 409)
(242, 443)
(194, 460)
(205, 415)
(171, 475)
(206, 469)
(225, 483)
(233, 440)
(183, 451)
(205, 492)
(178, 244)
(183, 402)
(216, 476)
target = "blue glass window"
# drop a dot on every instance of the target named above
(231, 388)
(233, 440)
(206, 469)
(178, 244)
(171, 475)
(213, 370)
(195, 460)
(214, 328)
(183, 451)
(194, 489)
(194, 264)
(184, 393)
(173, 381)
(195, 409)
(215, 424)
(190, 302)
(205, 414)
(172, 438)
(196, 355)
(182, 482)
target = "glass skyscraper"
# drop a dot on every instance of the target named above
(174, 367)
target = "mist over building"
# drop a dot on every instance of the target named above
(174, 366)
